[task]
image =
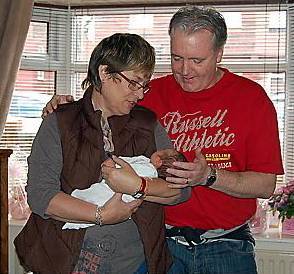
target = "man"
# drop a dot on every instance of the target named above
(226, 126)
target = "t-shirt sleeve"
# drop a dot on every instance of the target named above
(44, 166)
(162, 140)
(263, 146)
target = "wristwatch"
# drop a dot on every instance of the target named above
(211, 178)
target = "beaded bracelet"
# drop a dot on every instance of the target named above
(98, 215)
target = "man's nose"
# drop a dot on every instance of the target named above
(185, 67)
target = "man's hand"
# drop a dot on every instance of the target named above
(124, 179)
(116, 210)
(189, 173)
(54, 102)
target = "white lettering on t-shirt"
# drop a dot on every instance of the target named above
(191, 130)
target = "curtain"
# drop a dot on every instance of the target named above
(15, 17)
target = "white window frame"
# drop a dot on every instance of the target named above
(58, 57)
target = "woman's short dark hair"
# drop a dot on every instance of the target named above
(120, 52)
(192, 18)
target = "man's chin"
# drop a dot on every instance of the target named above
(187, 87)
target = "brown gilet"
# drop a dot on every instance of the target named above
(42, 246)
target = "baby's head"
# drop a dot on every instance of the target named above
(163, 159)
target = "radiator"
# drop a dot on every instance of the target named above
(275, 262)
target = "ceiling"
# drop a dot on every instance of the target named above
(142, 2)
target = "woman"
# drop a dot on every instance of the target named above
(67, 154)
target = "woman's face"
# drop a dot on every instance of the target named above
(120, 94)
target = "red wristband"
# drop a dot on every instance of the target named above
(142, 190)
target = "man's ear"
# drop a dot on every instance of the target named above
(219, 55)
(102, 70)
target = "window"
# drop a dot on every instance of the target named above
(60, 42)
(36, 42)
(24, 118)
(42, 71)
(289, 113)
(256, 45)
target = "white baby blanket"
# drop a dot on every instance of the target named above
(100, 193)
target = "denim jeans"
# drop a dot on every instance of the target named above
(218, 257)
(142, 269)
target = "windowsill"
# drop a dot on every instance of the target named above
(273, 239)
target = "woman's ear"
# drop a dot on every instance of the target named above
(102, 70)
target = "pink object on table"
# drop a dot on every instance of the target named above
(288, 226)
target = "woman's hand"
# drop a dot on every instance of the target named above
(124, 179)
(116, 210)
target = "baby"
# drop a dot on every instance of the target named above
(99, 193)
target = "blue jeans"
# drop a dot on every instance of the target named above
(219, 257)
(142, 269)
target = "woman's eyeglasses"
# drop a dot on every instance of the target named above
(134, 85)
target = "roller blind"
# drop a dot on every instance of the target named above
(43, 70)
(60, 42)
(289, 110)
(256, 45)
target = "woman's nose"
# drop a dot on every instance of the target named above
(139, 93)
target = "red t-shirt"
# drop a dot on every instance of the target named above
(235, 124)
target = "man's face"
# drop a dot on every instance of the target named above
(194, 59)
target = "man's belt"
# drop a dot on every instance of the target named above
(197, 236)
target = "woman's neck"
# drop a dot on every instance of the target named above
(97, 101)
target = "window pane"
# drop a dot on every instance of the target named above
(36, 42)
(77, 91)
(90, 28)
(255, 36)
(24, 117)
